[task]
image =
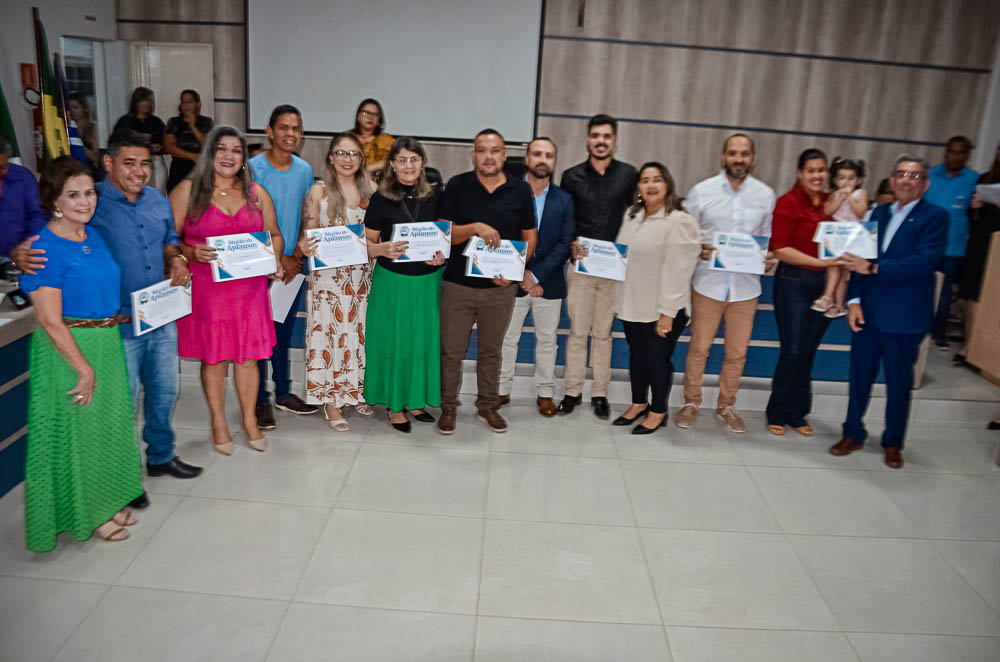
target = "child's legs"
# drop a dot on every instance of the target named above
(842, 278)
(832, 280)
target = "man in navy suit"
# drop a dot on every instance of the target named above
(544, 286)
(891, 306)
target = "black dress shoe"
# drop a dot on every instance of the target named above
(265, 417)
(402, 427)
(175, 468)
(601, 408)
(141, 501)
(642, 429)
(622, 420)
(569, 403)
(423, 416)
(994, 425)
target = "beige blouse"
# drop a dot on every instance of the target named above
(662, 255)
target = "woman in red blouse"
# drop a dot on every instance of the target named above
(797, 283)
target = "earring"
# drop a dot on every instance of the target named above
(57, 214)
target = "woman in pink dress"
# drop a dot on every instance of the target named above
(230, 321)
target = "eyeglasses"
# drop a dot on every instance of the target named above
(345, 155)
(403, 160)
(368, 113)
(906, 174)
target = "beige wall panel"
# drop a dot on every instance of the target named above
(672, 84)
(941, 32)
(181, 10)
(230, 113)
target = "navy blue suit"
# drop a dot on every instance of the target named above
(898, 308)
(555, 239)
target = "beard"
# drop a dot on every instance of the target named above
(541, 171)
(737, 172)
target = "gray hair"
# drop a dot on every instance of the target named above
(203, 176)
(908, 158)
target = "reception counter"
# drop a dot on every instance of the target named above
(15, 338)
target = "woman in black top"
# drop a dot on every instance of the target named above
(403, 346)
(185, 134)
(140, 118)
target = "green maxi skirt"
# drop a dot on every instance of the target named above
(403, 340)
(82, 463)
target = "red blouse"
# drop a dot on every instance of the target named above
(794, 222)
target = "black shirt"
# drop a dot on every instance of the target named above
(181, 131)
(152, 127)
(508, 210)
(383, 213)
(599, 201)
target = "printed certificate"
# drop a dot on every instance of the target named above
(283, 296)
(739, 252)
(242, 255)
(339, 246)
(835, 239)
(425, 239)
(158, 305)
(606, 259)
(506, 260)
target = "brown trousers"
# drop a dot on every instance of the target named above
(489, 309)
(706, 313)
(591, 307)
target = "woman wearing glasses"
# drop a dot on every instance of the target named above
(338, 297)
(369, 127)
(404, 348)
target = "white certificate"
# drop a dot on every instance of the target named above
(242, 255)
(283, 295)
(739, 252)
(989, 193)
(158, 305)
(424, 239)
(606, 259)
(505, 261)
(836, 238)
(339, 246)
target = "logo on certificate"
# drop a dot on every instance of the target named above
(722, 239)
(480, 245)
(403, 231)
(220, 244)
(586, 244)
(144, 297)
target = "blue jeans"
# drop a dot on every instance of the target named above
(279, 359)
(152, 363)
(951, 267)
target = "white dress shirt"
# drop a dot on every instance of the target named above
(718, 208)
(899, 215)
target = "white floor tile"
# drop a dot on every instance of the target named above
(675, 445)
(726, 645)
(919, 456)
(896, 586)
(470, 434)
(922, 648)
(979, 563)
(234, 548)
(506, 639)
(565, 571)
(164, 626)
(738, 580)
(390, 560)
(554, 488)
(191, 446)
(579, 434)
(38, 615)
(320, 633)
(673, 495)
(947, 506)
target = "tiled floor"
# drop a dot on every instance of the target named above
(564, 539)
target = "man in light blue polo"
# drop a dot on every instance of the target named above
(287, 178)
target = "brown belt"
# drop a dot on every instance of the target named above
(106, 323)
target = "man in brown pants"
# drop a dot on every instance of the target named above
(483, 203)
(731, 201)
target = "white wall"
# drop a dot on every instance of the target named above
(91, 19)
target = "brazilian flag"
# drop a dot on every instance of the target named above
(55, 141)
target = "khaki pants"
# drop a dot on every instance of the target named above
(545, 313)
(591, 307)
(489, 310)
(706, 313)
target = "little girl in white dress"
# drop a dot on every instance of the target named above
(847, 204)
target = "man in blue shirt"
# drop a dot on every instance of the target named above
(287, 178)
(951, 187)
(137, 224)
(20, 214)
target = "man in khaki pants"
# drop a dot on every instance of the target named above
(731, 201)
(601, 188)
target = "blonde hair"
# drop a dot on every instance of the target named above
(336, 206)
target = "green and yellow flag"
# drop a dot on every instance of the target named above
(55, 141)
(7, 128)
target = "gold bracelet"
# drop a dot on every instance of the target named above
(183, 257)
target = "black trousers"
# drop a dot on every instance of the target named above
(649, 363)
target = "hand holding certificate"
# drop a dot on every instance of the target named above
(337, 246)
(423, 240)
(836, 238)
(739, 252)
(159, 305)
(242, 255)
(601, 259)
(506, 261)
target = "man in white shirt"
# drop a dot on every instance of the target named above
(732, 201)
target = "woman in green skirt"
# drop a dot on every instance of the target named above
(403, 344)
(82, 465)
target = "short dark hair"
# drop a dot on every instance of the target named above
(809, 155)
(753, 145)
(283, 109)
(601, 119)
(139, 95)
(54, 177)
(961, 140)
(884, 187)
(253, 148)
(197, 97)
(489, 132)
(380, 127)
(126, 138)
(546, 138)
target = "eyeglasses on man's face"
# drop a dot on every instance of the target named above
(403, 160)
(908, 174)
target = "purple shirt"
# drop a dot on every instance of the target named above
(20, 214)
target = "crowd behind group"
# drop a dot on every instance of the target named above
(394, 333)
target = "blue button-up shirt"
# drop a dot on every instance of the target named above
(20, 214)
(953, 194)
(899, 215)
(136, 233)
(540, 206)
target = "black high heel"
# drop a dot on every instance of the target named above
(402, 427)
(423, 416)
(622, 420)
(642, 429)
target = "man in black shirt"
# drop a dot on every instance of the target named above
(601, 188)
(482, 203)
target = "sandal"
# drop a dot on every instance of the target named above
(111, 532)
(364, 409)
(338, 424)
(835, 311)
(124, 517)
(822, 304)
(776, 430)
(804, 430)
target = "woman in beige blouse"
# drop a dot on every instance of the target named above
(664, 243)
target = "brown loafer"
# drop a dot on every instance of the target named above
(845, 446)
(893, 457)
(446, 424)
(504, 400)
(546, 407)
(494, 420)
